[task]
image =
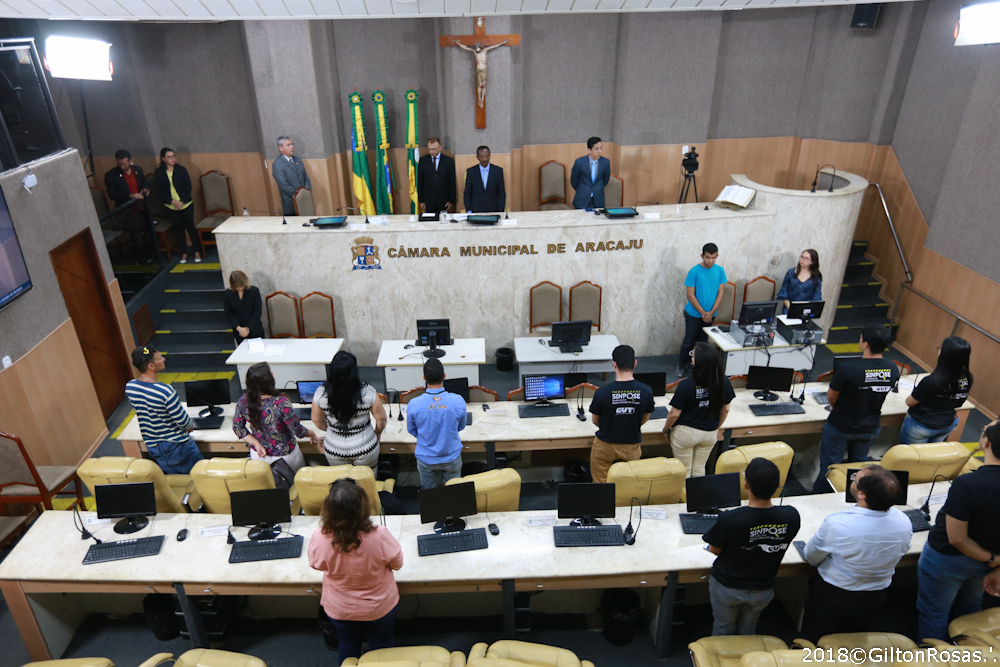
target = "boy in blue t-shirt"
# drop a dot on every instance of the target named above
(704, 285)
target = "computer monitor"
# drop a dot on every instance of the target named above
(656, 381)
(586, 503)
(805, 310)
(433, 333)
(571, 335)
(573, 379)
(543, 387)
(757, 312)
(902, 476)
(446, 504)
(131, 503)
(708, 494)
(841, 359)
(769, 379)
(212, 393)
(263, 509)
(307, 389)
(458, 386)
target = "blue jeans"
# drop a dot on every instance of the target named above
(692, 334)
(946, 583)
(174, 458)
(914, 433)
(433, 475)
(833, 447)
(350, 634)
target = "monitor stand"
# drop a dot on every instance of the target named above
(211, 411)
(264, 531)
(450, 525)
(434, 352)
(765, 395)
(131, 524)
(567, 347)
(585, 521)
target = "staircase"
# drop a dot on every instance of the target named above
(859, 303)
(193, 334)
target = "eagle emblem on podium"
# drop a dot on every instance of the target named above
(365, 254)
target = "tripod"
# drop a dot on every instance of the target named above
(689, 180)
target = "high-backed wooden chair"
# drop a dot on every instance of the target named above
(727, 309)
(672, 386)
(317, 316)
(516, 394)
(100, 202)
(585, 389)
(552, 187)
(760, 288)
(479, 394)
(162, 223)
(823, 377)
(614, 192)
(738, 381)
(21, 481)
(585, 303)
(545, 305)
(904, 369)
(283, 315)
(303, 200)
(408, 396)
(217, 192)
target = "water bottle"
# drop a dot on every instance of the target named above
(246, 213)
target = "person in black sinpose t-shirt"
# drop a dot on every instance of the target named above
(857, 392)
(750, 542)
(932, 417)
(619, 410)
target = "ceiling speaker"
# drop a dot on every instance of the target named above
(865, 16)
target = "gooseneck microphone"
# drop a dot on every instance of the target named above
(816, 177)
(283, 221)
(925, 509)
(351, 208)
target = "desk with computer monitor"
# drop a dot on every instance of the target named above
(403, 360)
(569, 349)
(754, 338)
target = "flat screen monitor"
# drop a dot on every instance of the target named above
(655, 381)
(446, 504)
(902, 476)
(440, 328)
(577, 331)
(263, 509)
(841, 359)
(585, 503)
(543, 387)
(133, 501)
(332, 221)
(713, 492)
(307, 389)
(757, 312)
(805, 310)
(14, 279)
(573, 379)
(212, 393)
(769, 379)
(458, 386)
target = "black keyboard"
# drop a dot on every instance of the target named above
(123, 549)
(773, 409)
(697, 524)
(283, 547)
(659, 412)
(821, 398)
(588, 536)
(532, 411)
(449, 543)
(207, 423)
(468, 419)
(918, 520)
(304, 414)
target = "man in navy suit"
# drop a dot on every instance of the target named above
(589, 176)
(484, 189)
(290, 174)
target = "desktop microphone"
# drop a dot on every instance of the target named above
(628, 532)
(816, 177)
(351, 208)
(805, 380)
(649, 203)
(925, 509)
(283, 221)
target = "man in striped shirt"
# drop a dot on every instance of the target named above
(163, 421)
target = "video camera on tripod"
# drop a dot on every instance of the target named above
(690, 165)
(690, 161)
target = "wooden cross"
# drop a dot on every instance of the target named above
(480, 43)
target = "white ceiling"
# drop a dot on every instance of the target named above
(215, 10)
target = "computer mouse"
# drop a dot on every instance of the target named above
(494, 530)
(182, 534)
(306, 224)
(407, 347)
(485, 407)
(715, 330)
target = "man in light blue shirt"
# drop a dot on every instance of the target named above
(434, 418)
(704, 285)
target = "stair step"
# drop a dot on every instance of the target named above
(860, 293)
(172, 340)
(197, 279)
(196, 267)
(859, 248)
(185, 298)
(190, 326)
(858, 270)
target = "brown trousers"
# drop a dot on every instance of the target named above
(603, 454)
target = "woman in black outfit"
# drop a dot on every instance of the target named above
(174, 186)
(243, 308)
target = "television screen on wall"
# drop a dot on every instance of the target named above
(14, 279)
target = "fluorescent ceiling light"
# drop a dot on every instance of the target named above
(978, 24)
(77, 58)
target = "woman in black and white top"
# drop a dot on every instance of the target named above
(344, 407)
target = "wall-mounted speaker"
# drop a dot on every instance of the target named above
(865, 16)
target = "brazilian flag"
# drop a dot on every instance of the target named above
(412, 148)
(383, 170)
(361, 182)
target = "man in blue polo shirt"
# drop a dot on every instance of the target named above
(434, 418)
(704, 285)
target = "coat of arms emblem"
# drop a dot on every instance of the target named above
(365, 254)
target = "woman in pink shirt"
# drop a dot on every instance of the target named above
(356, 558)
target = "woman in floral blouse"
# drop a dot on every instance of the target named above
(266, 421)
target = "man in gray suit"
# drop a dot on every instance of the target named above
(290, 174)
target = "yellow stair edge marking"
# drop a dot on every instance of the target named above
(874, 282)
(866, 263)
(880, 305)
(204, 266)
(163, 331)
(165, 310)
(848, 306)
(171, 291)
(125, 422)
(838, 328)
(843, 348)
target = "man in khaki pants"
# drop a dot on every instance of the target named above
(619, 409)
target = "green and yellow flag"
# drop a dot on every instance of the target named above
(412, 147)
(361, 182)
(383, 170)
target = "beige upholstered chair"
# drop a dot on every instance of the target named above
(777, 658)
(924, 462)
(867, 641)
(21, 481)
(408, 396)
(313, 485)
(727, 309)
(981, 628)
(584, 389)
(75, 662)
(205, 657)
(552, 187)
(479, 394)
(737, 459)
(217, 192)
(409, 656)
(317, 316)
(585, 303)
(496, 490)
(655, 481)
(283, 315)
(170, 489)
(545, 304)
(760, 288)
(303, 200)
(509, 653)
(216, 478)
(727, 651)
(614, 192)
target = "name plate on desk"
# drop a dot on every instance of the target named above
(542, 521)
(508, 221)
(93, 521)
(360, 226)
(213, 531)
(650, 513)
(651, 216)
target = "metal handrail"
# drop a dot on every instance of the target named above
(892, 228)
(958, 318)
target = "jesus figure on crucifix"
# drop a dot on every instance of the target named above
(480, 53)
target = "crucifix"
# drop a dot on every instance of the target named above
(479, 44)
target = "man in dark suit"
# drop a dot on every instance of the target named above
(290, 174)
(484, 188)
(436, 179)
(126, 181)
(589, 176)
